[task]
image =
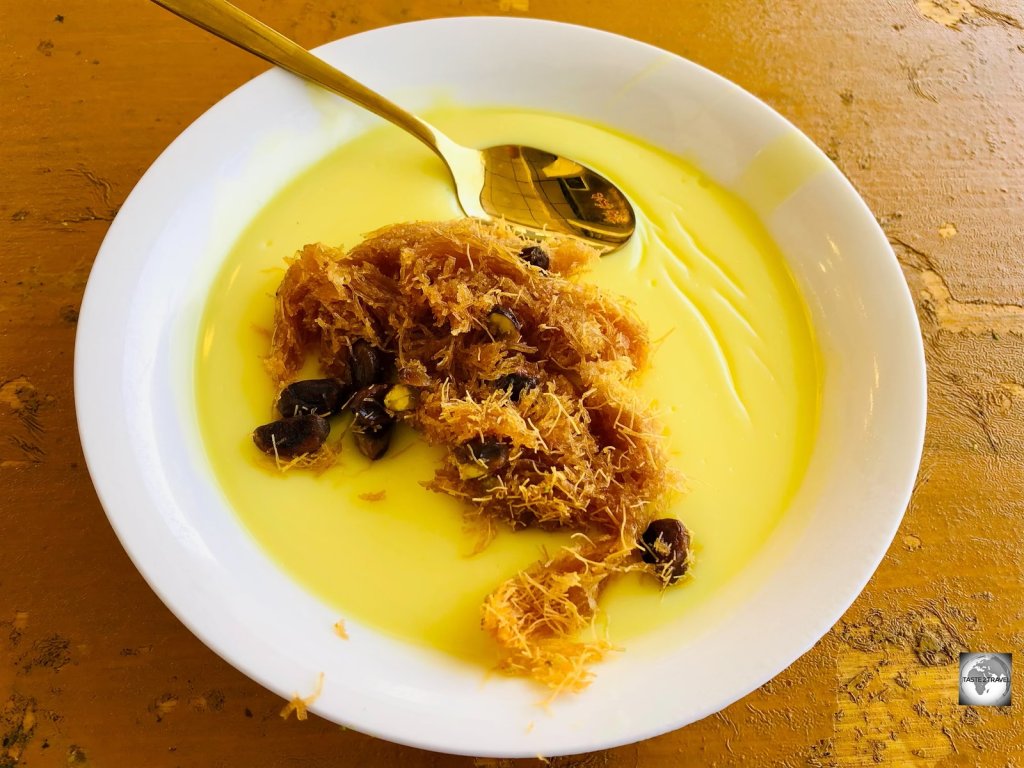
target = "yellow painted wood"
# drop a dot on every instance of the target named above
(918, 101)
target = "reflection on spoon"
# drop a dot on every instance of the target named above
(537, 191)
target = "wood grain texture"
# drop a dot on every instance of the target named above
(920, 102)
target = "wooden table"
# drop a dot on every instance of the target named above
(920, 103)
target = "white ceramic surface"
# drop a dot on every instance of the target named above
(135, 355)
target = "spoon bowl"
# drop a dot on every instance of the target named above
(536, 191)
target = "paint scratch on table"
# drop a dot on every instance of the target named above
(952, 13)
(937, 303)
(896, 702)
(51, 652)
(17, 724)
(163, 706)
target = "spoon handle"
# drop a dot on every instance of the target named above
(234, 25)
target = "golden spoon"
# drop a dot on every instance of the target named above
(535, 190)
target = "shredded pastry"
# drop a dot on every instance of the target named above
(300, 704)
(487, 344)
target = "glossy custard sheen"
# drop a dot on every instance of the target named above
(734, 375)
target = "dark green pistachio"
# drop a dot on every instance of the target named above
(536, 256)
(374, 392)
(322, 397)
(291, 437)
(516, 383)
(503, 323)
(372, 426)
(479, 458)
(367, 364)
(666, 545)
(400, 398)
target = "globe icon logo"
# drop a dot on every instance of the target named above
(985, 679)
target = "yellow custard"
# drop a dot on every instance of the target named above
(734, 375)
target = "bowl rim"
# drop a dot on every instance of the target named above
(97, 312)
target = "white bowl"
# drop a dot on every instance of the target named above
(135, 355)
